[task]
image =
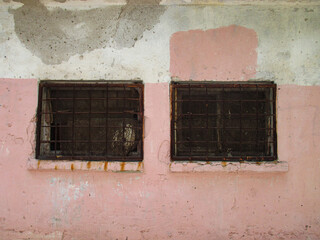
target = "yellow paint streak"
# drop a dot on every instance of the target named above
(105, 167)
(72, 167)
(89, 165)
(55, 167)
(38, 164)
(122, 165)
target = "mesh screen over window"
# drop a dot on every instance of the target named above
(225, 121)
(90, 121)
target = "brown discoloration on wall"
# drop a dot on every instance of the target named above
(122, 166)
(55, 36)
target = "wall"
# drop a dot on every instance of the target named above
(180, 40)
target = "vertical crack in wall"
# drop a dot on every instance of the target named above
(54, 36)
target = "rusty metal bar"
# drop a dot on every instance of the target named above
(107, 114)
(82, 141)
(39, 119)
(123, 124)
(190, 114)
(229, 100)
(207, 124)
(274, 127)
(84, 115)
(233, 142)
(236, 124)
(93, 158)
(73, 117)
(128, 99)
(240, 122)
(226, 158)
(130, 112)
(90, 103)
(225, 85)
(85, 126)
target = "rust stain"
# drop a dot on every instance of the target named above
(105, 167)
(258, 163)
(123, 164)
(72, 167)
(55, 167)
(38, 164)
(224, 164)
(139, 166)
(88, 164)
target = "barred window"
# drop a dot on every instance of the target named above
(90, 121)
(223, 121)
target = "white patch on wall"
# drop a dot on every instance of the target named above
(64, 193)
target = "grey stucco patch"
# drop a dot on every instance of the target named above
(54, 36)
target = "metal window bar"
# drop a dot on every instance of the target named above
(190, 128)
(84, 115)
(207, 124)
(106, 126)
(246, 132)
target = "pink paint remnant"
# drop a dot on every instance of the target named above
(226, 53)
(156, 203)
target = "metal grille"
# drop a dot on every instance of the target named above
(223, 121)
(90, 121)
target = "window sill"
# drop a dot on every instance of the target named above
(263, 167)
(100, 166)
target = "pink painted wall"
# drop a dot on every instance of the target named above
(226, 53)
(158, 204)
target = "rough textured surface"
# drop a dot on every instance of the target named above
(265, 167)
(288, 39)
(54, 36)
(155, 203)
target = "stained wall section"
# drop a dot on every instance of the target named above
(186, 42)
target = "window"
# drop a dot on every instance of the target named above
(90, 121)
(223, 121)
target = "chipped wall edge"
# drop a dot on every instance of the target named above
(100, 166)
(263, 167)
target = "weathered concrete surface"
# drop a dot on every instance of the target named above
(137, 45)
(54, 36)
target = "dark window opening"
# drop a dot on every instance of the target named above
(223, 121)
(90, 121)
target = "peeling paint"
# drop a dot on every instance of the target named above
(56, 35)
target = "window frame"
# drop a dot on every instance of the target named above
(95, 84)
(223, 84)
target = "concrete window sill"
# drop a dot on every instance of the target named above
(101, 166)
(263, 167)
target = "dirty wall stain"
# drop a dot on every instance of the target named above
(54, 36)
